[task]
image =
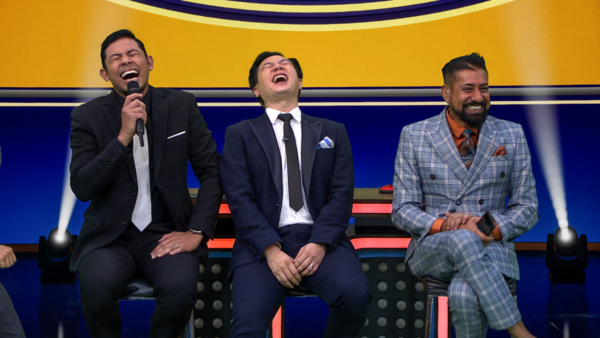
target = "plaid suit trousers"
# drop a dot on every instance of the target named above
(478, 294)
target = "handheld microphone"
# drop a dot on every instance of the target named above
(134, 87)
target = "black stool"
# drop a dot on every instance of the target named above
(139, 288)
(438, 322)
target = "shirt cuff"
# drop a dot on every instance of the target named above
(437, 226)
(123, 148)
(497, 234)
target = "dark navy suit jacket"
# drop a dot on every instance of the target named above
(252, 180)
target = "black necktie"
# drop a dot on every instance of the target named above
(293, 168)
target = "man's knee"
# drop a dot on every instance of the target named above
(464, 242)
(176, 292)
(351, 293)
(100, 288)
(464, 237)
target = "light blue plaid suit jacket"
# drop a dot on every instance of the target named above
(431, 179)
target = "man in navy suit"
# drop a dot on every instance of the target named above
(289, 181)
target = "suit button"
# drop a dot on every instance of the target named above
(480, 201)
(432, 176)
(457, 202)
(502, 174)
(133, 193)
(125, 222)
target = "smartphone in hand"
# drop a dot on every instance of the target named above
(487, 223)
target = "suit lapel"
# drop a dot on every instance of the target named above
(443, 143)
(263, 130)
(160, 116)
(311, 130)
(112, 113)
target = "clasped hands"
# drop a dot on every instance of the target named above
(289, 271)
(7, 257)
(458, 220)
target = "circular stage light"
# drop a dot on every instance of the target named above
(566, 241)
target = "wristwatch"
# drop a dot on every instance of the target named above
(196, 232)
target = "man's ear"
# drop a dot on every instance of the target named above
(446, 93)
(256, 92)
(300, 83)
(104, 74)
(150, 62)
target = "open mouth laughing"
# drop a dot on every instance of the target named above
(279, 78)
(475, 107)
(129, 74)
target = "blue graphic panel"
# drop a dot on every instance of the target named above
(35, 140)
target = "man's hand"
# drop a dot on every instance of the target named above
(282, 266)
(133, 109)
(176, 242)
(471, 225)
(309, 258)
(7, 257)
(454, 221)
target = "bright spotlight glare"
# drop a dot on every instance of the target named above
(544, 126)
(59, 237)
(565, 236)
(68, 200)
(563, 222)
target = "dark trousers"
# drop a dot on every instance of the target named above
(339, 281)
(10, 326)
(105, 272)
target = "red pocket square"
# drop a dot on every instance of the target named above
(500, 151)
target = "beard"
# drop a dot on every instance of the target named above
(473, 121)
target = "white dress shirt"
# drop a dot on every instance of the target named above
(288, 215)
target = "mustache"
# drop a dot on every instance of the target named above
(482, 103)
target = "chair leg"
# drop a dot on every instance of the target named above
(437, 324)
(278, 323)
(189, 331)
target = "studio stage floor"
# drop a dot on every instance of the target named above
(548, 310)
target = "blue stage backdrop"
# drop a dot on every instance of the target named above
(35, 143)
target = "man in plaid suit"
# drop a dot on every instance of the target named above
(450, 169)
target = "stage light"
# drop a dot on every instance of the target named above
(54, 255)
(68, 200)
(566, 256)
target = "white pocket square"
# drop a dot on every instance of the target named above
(326, 143)
(175, 135)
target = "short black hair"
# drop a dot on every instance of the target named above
(471, 61)
(253, 74)
(118, 35)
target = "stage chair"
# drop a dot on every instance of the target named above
(278, 324)
(438, 322)
(140, 289)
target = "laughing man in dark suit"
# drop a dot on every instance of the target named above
(141, 219)
(289, 181)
